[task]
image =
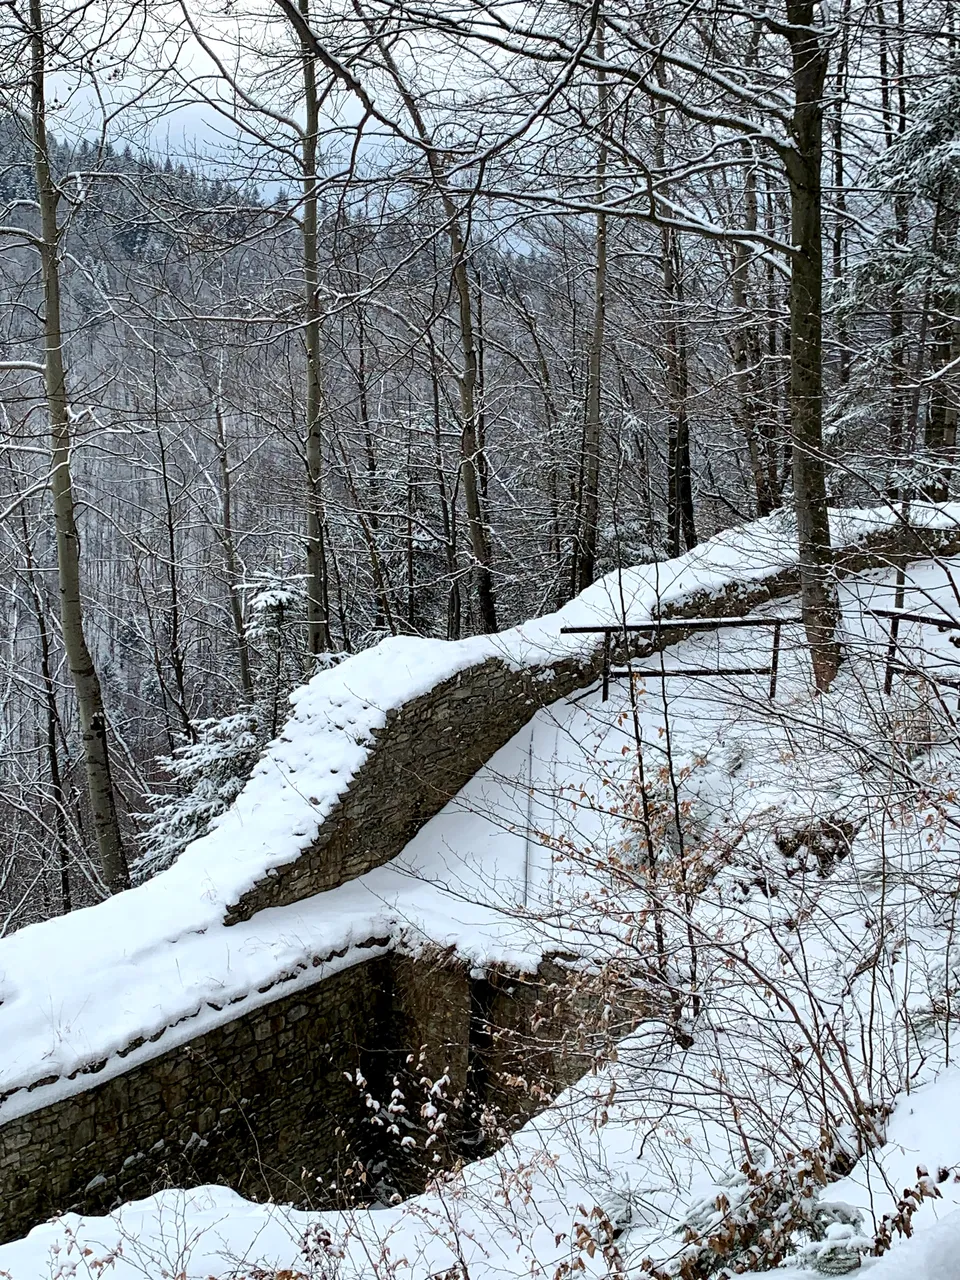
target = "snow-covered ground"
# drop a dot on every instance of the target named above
(157, 964)
(511, 1216)
(821, 992)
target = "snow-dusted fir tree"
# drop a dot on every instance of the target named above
(208, 774)
(912, 274)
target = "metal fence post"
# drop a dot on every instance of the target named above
(891, 654)
(774, 661)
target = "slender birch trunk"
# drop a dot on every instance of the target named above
(93, 722)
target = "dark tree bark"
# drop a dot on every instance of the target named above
(319, 639)
(589, 497)
(940, 434)
(817, 587)
(53, 727)
(231, 558)
(472, 461)
(681, 527)
(754, 418)
(894, 124)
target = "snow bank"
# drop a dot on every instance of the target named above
(156, 964)
(512, 1215)
(924, 1129)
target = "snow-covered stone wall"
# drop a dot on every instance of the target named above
(430, 745)
(427, 749)
(270, 1103)
(165, 1012)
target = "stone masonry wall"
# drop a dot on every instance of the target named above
(250, 1104)
(431, 747)
(263, 1104)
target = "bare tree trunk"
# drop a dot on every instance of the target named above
(680, 522)
(52, 717)
(940, 435)
(775, 423)
(472, 462)
(589, 497)
(409, 558)
(448, 510)
(173, 618)
(747, 360)
(467, 380)
(470, 448)
(558, 466)
(96, 751)
(231, 560)
(681, 529)
(839, 251)
(894, 125)
(376, 562)
(371, 521)
(818, 595)
(318, 594)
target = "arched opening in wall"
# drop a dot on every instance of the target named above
(471, 1057)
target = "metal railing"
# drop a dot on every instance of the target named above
(894, 663)
(658, 625)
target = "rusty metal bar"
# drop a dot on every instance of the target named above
(680, 624)
(946, 624)
(775, 661)
(952, 681)
(692, 671)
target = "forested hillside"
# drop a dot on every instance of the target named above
(480, 644)
(439, 313)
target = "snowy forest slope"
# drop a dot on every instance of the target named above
(159, 958)
(797, 998)
(442, 313)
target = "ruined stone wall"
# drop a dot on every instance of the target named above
(263, 1104)
(428, 749)
(431, 747)
(250, 1104)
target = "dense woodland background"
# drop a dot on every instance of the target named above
(451, 309)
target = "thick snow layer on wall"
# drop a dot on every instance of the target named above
(158, 961)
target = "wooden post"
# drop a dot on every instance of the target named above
(606, 664)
